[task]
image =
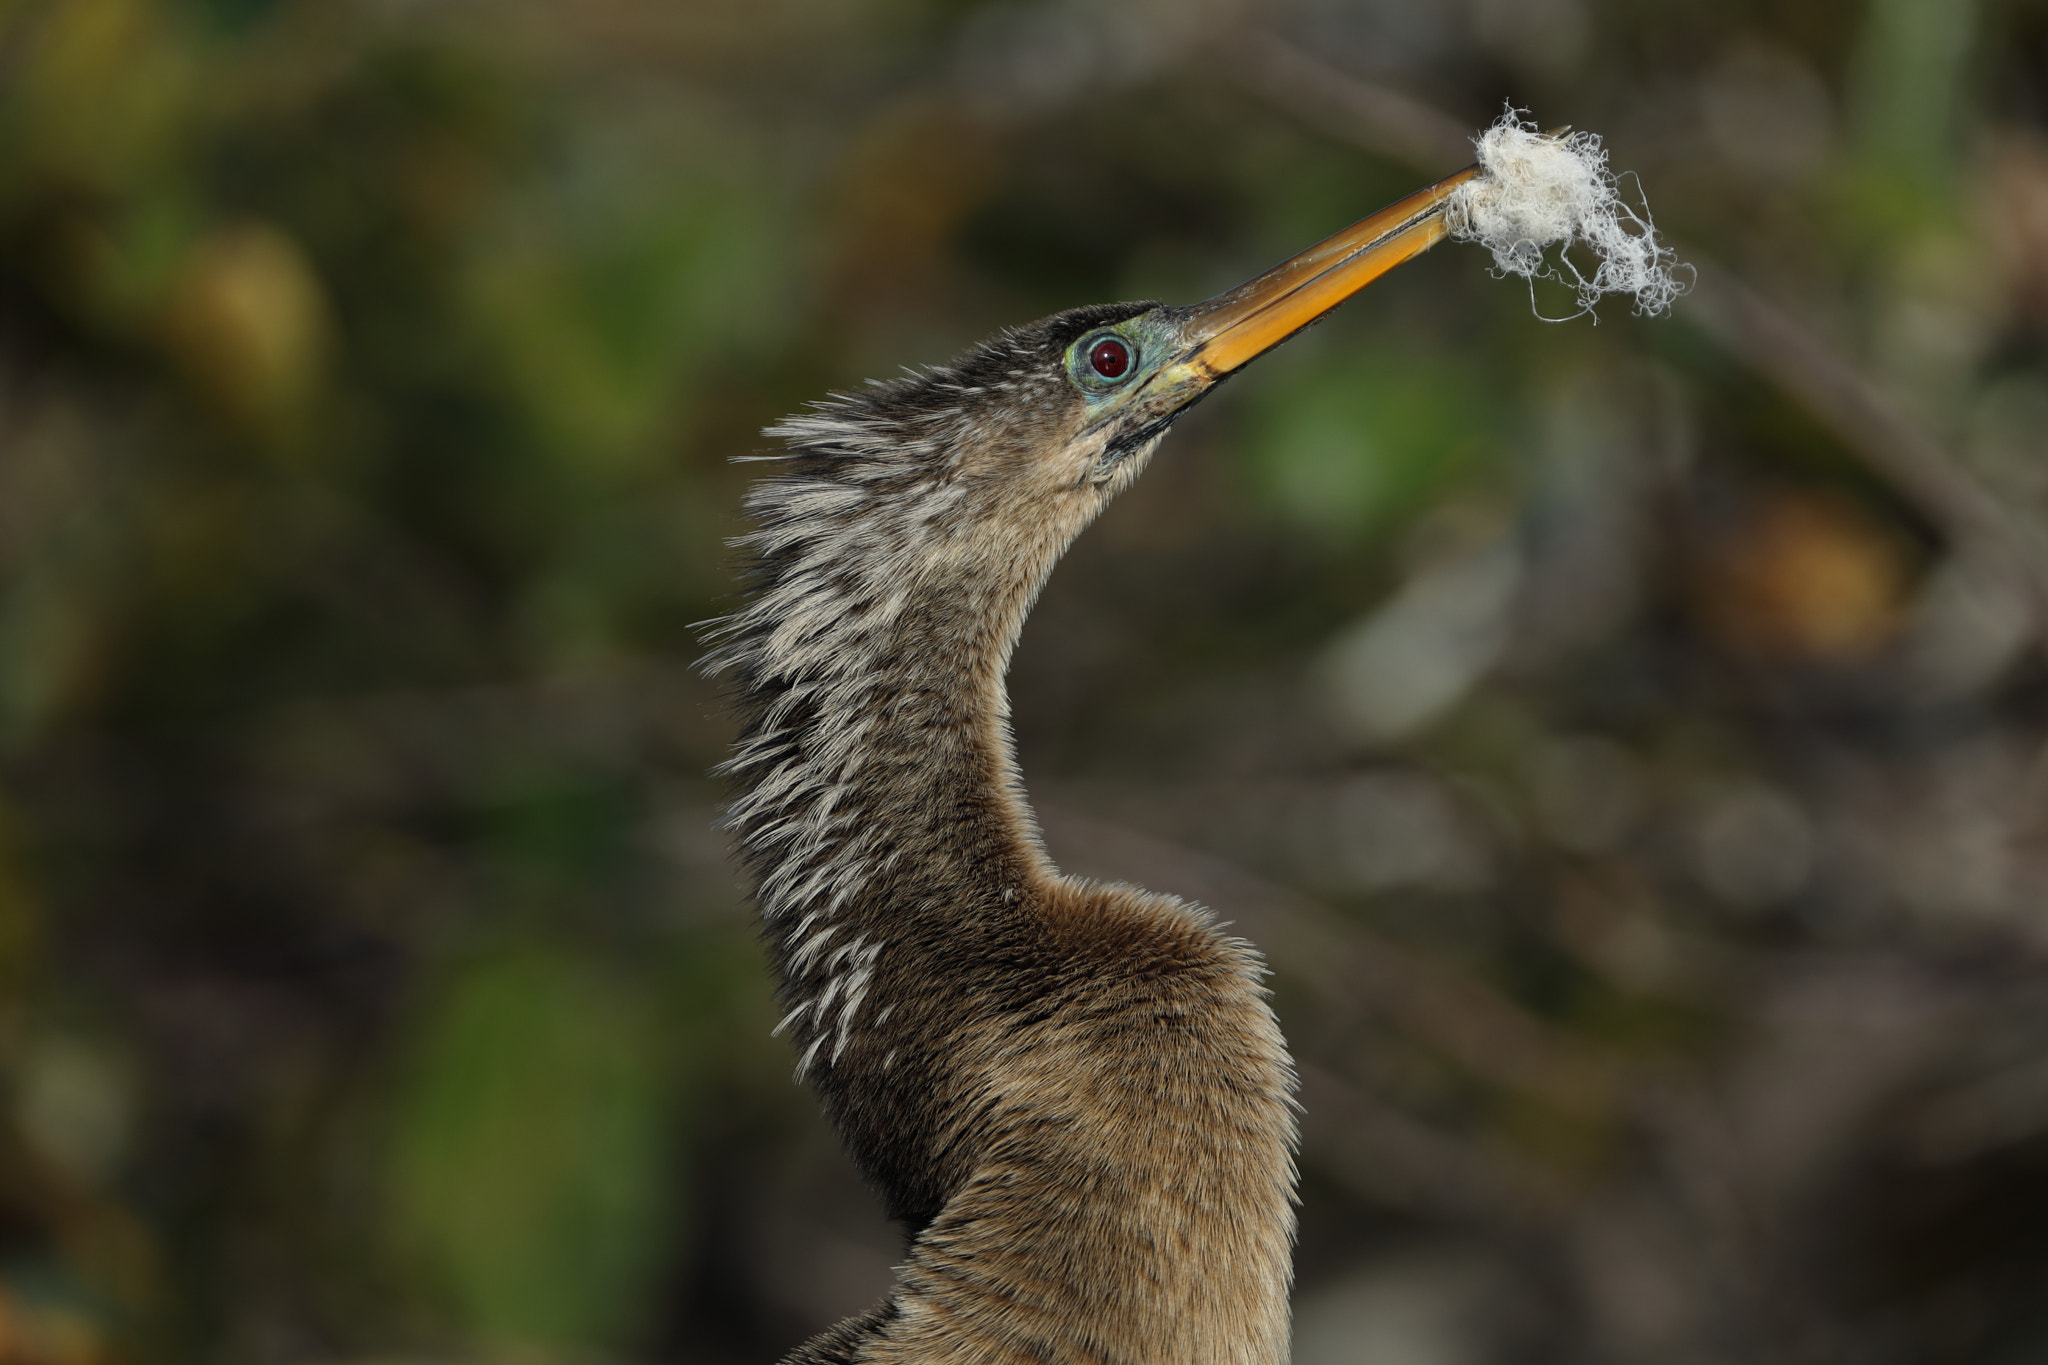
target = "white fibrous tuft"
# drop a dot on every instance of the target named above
(1542, 190)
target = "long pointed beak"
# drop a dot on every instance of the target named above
(1220, 337)
(1234, 328)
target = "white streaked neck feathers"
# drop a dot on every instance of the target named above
(871, 656)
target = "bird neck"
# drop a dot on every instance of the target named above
(1074, 1097)
(876, 765)
(917, 790)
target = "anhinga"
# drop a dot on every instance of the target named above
(1073, 1095)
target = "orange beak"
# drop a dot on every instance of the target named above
(1234, 328)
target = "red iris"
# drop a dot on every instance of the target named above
(1110, 358)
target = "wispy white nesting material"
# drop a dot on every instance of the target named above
(1540, 191)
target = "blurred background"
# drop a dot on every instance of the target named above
(1629, 741)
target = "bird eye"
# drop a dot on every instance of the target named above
(1110, 358)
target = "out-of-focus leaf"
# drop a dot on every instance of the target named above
(100, 97)
(1806, 577)
(1911, 62)
(50, 642)
(248, 322)
(616, 287)
(528, 1158)
(1346, 445)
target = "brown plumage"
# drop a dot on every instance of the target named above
(1073, 1096)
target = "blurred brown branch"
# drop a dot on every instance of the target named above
(1350, 109)
(1806, 370)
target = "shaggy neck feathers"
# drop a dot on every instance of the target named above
(1073, 1097)
(875, 765)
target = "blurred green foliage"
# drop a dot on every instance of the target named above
(530, 1154)
(372, 980)
(1355, 446)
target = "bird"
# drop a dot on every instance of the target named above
(1074, 1097)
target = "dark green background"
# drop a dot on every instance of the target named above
(1638, 775)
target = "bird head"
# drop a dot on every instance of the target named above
(979, 472)
(1134, 375)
